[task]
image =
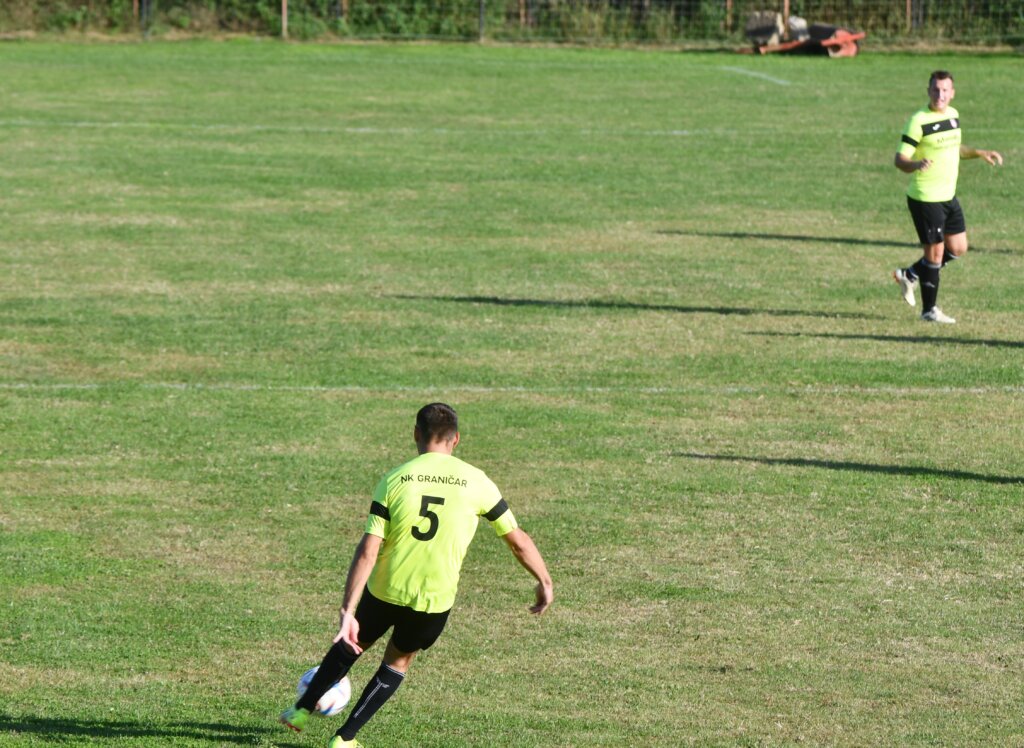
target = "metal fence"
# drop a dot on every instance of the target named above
(588, 21)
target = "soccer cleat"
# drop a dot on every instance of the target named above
(936, 315)
(339, 742)
(294, 719)
(906, 285)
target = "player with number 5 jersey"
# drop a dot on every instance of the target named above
(427, 512)
(405, 572)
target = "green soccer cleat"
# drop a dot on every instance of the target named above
(339, 742)
(294, 719)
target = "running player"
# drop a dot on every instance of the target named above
(931, 151)
(405, 571)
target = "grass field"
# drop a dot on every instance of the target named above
(778, 508)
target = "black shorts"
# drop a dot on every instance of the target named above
(935, 221)
(414, 630)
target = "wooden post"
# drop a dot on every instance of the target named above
(728, 15)
(284, 19)
(785, 19)
(344, 9)
(135, 11)
(910, 14)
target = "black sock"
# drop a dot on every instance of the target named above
(335, 666)
(380, 688)
(917, 270)
(929, 275)
(947, 257)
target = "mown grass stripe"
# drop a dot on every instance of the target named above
(484, 389)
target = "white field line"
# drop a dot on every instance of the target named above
(755, 74)
(483, 389)
(419, 131)
(302, 129)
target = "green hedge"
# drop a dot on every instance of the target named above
(656, 21)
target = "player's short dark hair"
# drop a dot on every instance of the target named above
(437, 421)
(940, 75)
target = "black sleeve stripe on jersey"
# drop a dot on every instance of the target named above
(499, 509)
(910, 141)
(380, 510)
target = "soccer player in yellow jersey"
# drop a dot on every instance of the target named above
(930, 152)
(405, 571)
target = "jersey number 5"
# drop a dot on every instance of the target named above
(425, 512)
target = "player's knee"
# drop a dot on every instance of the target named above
(402, 663)
(957, 244)
(933, 252)
(398, 659)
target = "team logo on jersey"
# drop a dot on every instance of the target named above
(936, 127)
(954, 123)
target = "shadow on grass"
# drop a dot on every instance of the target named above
(895, 338)
(821, 240)
(861, 467)
(636, 306)
(216, 733)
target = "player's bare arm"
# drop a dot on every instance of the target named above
(525, 551)
(358, 573)
(994, 158)
(909, 166)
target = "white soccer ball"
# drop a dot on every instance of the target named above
(334, 700)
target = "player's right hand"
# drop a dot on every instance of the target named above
(545, 596)
(924, 165)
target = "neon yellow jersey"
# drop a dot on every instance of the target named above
(427, 512)
(935, 136)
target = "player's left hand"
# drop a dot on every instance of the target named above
(348, 632)
(995, 158)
